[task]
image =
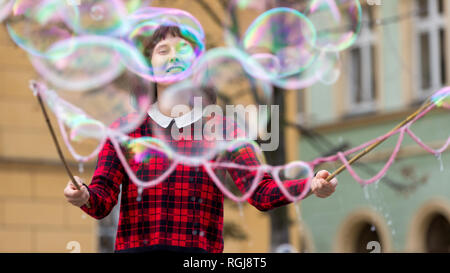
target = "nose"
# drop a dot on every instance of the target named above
(173, 58)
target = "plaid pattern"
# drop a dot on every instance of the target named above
(185, 210)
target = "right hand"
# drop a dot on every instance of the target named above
(74, 196)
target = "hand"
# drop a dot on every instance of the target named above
(321, 187)
(74, 196)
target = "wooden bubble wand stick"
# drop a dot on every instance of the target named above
(55, 140)
(425, 105)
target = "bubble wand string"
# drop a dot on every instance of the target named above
(55, 140)
(424, 106)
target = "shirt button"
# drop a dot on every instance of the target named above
(191, 179)
(194, 232)
(202, 233)
(145, 242)
(200, 200)
(193, 199)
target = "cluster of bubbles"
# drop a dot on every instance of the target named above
(296, 42)
(100, 80)
(140, 153)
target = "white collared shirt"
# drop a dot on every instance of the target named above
(181, 121)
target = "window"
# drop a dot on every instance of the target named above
(362, 67)
(430, 47)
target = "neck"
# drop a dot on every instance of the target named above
(159, 91)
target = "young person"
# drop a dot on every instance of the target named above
(184, 213)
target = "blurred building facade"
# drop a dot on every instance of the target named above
(34, 217)
(400, 58)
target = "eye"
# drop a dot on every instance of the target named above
(163, 50)
(184, 48)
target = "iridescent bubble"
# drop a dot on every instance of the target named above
(182, 107)
(145, 22)
(230, 101)
(442, 98)
(236, 178)
(269, 67)
(85, 128)
(168, 16)
(289, 175)
(337, 22)
(82, 135)
(278, 36)
(99, 17)
(328, 67)
(143, 150)
(225, 71)
(133, 5)
(139, 155)
(242, 14)
(286, 34)
(36, 25)
(5, 8)
(120, 105)
(87, 62)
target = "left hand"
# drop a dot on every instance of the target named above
(322, 188)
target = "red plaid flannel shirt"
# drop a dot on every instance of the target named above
(183, 212)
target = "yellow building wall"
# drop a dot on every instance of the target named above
(34, 216)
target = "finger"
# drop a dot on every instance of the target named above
(334, 182)
(69, 185)
(79, 180)
(325, 191)
(316, 185)
(72, 196)
(72, 186)
(326, 188)
(324, 194)
(323, 174)
(321, 195)
(68, 191)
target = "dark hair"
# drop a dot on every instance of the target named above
(160, 34)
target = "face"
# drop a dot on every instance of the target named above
(172, 56)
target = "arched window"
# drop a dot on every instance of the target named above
(363, 231)
(437, 236)
(430, 228)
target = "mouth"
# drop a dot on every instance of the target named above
(175, 69)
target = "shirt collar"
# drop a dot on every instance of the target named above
(181, 121)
